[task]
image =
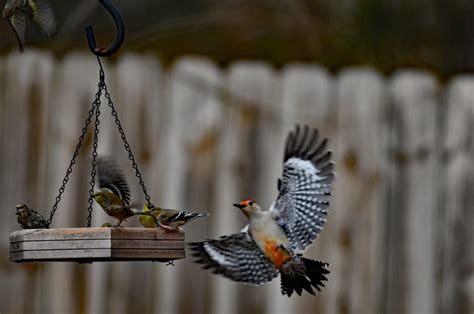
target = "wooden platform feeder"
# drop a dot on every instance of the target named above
(87, 245)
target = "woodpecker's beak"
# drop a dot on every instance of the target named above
(239, 206)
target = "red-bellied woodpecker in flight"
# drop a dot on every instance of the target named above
(268, 245)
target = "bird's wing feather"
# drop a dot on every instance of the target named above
(42, 14)
(305, 187)
(18, 24)
(111, 177)
(172, 215)
(236, 257)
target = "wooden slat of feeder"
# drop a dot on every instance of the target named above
(97, 255)
(95, 244)
(93, 233)
(58, 255)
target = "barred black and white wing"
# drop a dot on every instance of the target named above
(111, 177)
(236, 257)
(305, 187)
(174, 215)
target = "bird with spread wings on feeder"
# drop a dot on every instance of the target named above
(169, 219)
(29, 218)
(40, 12)
(272, 242)
(114, 193)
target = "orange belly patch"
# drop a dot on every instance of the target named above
(276, 254)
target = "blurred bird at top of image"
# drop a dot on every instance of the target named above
(29, 218)
(16, 12)
(169, 219)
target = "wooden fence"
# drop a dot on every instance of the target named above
(399, 237)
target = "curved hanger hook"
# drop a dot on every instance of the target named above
(107, 52)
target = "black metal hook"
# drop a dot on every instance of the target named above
(107, 52)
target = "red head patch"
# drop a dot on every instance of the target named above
(249, 202)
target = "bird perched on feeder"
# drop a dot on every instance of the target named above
(114, 193)
(39, 11)
(29, 218)
(269, 244)
(169, 219)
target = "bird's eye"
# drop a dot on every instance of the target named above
(250, 203)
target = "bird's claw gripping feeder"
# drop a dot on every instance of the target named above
(86, 245)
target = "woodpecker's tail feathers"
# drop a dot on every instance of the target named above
(299, 274)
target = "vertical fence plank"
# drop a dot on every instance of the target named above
(191, 143)
(457, 255)
(204, 97)
(413, 201)
(254, 114)
(359, 186)
(99, 294)
(76, 85)
(24, 123)
(152, 159)
(127, 88)
(306, 94)
(138, 83)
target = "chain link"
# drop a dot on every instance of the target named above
(126, 145)
(74, 156)
(94, 156)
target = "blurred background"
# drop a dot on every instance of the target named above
(207, 91)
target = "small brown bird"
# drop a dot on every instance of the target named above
(39, 11)
(29, 218)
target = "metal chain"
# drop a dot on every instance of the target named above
(95, 109)
(74, 156)
(94, 156)
(126, 145)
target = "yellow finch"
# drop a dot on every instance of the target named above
(170, 219)
(39, 11)
(114, 193)
(29, 218)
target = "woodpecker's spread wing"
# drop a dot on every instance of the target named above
(305, 187)
(236, 257)
(111, 177)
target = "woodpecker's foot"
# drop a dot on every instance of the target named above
(170, 263)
